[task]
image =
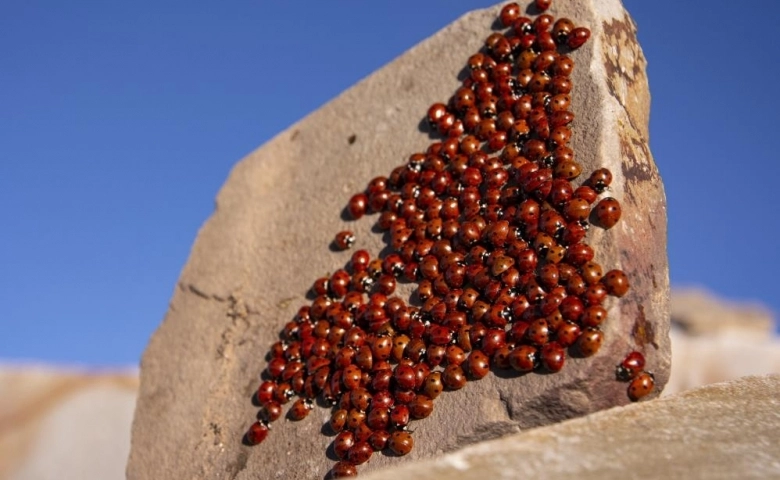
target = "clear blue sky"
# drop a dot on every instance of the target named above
(120, 121)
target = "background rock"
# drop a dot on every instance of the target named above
(715, 340)
(64, 424)
(257, 256)
(699, 313)
(727, 430)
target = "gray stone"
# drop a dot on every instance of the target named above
(726, 430)
(256, 257)
(699, 313)
(64, 423)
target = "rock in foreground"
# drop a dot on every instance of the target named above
(255, 259)
(725, 430)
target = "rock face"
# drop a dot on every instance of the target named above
(726, 430)
(257, 256)
(714, 340)
(57, 423)
(700, 314)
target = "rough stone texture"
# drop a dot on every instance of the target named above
(256, 257)
(726, 430)
(60, 423)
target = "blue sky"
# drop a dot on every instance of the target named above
(121, 121)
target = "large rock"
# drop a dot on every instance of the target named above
(256, 257)
(714, 340)
(60, 423)
(699, 313)
(726, 430)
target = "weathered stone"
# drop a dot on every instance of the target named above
(64, 423)
(257, 256)
(719, 358)
(726, 430)
(699, 313)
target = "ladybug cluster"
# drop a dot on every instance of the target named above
(490, 223)
(631, 369)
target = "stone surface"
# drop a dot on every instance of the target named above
(699, 313)
(726, 430)
(714, 340)
(717, 358)
(60, 423)
(267, 241)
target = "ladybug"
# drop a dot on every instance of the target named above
(266, 392)
(271, 411)
(616, 283)
(630, 367)
(433, 386)
(589, 341)
(257, 433)
(509, 14)
(360, 399)
(342, 443)
(378, 439)
(478, 364)
(399, 416)
(343, 469)
(421, 407)
(378, 418)
(300, 409)
(435, 113)
(453, 377)
(400, 443)
(344, 240)
(338, 419)
(567, 333)
(405, 377)
(600, 179)
(552, 356)
(382, 399)
(538, 332)
(354, 417)
(593, 316)
(641, 386)
(561, 30)
(578, 37)
(542, 5)
(523, 358)
(358, 205)
(359, 453)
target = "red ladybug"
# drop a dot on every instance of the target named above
(578, 37)
(616, 283)
(257, 433)
(509, 14)
(552, 356)
(343, 469)
(300, 409)
(523, 358)
(590, 341)
(359, 453)
(641, 386)
(344, 240)
(478, 364)
(542, 5)
(630, 367)
(400, 443)
(357, 205)
(342, 443)
(271, 411)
